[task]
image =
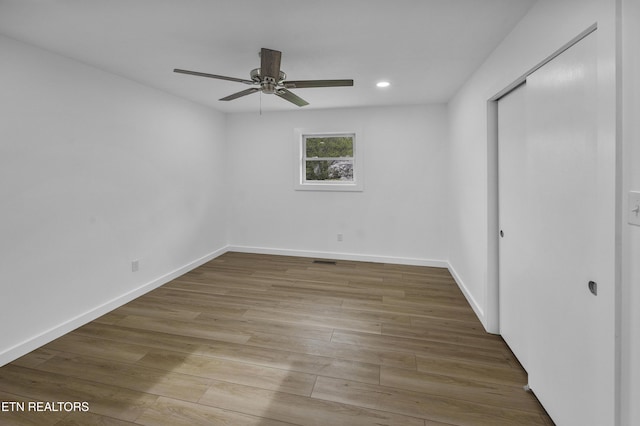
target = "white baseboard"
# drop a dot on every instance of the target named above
(341, 256)
(472, 302)
(61, 329)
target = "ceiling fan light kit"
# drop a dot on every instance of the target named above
(269, 79)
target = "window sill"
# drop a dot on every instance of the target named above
(337, 187)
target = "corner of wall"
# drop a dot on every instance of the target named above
(467, 294)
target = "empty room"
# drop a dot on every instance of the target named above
(355, 212)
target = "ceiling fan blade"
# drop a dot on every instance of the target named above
(241, 94)
(219, 77)
(270, 63)
(316, 83)
(291, 97)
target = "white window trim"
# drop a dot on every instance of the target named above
(299, 167)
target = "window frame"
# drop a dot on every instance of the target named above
(301, 184)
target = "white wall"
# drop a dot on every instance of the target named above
(630, 233)
(400, 215)
(96, 171)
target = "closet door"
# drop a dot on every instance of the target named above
(514, 221)
(570, 348)
(557, 305)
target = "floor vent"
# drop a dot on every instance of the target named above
(325, 262)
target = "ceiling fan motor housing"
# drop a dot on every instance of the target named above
(267, 84)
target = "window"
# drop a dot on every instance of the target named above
(328, 158)
(328, 162)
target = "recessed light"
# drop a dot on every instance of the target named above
(383, 84)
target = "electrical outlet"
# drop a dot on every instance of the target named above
(339, 237)
(634, 208)
(135, 265)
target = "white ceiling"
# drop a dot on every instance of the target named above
(425, 48)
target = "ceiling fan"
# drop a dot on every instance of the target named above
(271, 80)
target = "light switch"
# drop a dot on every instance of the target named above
(634, 208)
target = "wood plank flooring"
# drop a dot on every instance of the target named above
(272, 340)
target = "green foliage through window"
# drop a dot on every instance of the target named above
(329, 158)
(332, 146)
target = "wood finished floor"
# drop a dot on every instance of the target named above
(271, 340)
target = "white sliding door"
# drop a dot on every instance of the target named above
(551, 216)
(514, 222)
